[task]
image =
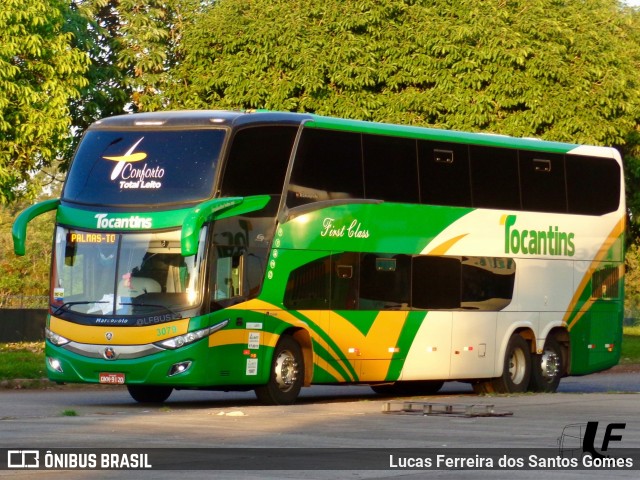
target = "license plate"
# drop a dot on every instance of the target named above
(112, 378)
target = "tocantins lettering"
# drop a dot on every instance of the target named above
(133, 221)
(551, 241)
(354, 230)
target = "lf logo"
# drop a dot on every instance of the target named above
(590, 436)
(23, 459)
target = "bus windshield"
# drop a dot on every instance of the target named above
(130, 274)
(141, 167)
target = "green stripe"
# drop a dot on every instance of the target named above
(327, 338)
(385, 227)
(407, 335)
(335, 363)
(362, 320)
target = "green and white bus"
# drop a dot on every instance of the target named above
(271, 251)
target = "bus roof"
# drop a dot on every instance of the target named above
(208, 118)
(199, 118)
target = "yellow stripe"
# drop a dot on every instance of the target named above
(618, 229)
(320, 318)
(375, 345)
(384, 333)
(94, 334)
(331, 370)
(240, 337)
(444, 247)
(133, 157)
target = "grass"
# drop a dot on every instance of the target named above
(25, 360)
(630, 345)
(22, 360)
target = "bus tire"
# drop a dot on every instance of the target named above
(149, 394)
(547, 368)
(287, 374)
(417, 387)
(516, 371)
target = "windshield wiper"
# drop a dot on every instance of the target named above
(65, 306)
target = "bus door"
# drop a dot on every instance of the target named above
(369, 308)
(473, 344)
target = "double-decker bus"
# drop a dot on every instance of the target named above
(272, 251)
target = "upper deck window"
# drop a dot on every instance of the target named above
(258, 160)
(140, 167)
(328, 166)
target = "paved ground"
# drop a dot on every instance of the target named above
(324, 418)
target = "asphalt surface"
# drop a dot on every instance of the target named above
(324, 421)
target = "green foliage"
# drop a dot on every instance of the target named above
(151, 31)
(552, 69)
(632, 282)
(556, 70)
(39, 73)
(565, 71)
(95, 28)
(26, 276)
(132, 45)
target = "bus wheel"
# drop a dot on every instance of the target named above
(546, 369)
(149, 394)
(287, 374)
(418, 387)
(516, 372)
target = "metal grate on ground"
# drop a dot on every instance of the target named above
(443, 409)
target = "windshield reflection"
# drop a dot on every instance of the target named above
(124, 274)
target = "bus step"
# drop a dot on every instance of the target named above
(457, 410)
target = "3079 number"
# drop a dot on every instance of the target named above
(168, 330)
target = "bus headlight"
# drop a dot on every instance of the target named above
(54, 338)
(190, 337)
(179, 368)
(55, 364)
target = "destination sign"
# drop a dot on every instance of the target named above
(83, 237)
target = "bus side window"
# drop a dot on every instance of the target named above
(542, 182)
(385, 282)
(345, 281)
(308, 286)
(225, 278)
(586, 175)
(253, 262)
(263, 151)
(494, 178)
(436, 282)
(390, 168)
(341, 175)
(444, 173)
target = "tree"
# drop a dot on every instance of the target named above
(132, 45)
(151, 31)
(39, 72)
(25, 280)
(95, 26)
(547, 68)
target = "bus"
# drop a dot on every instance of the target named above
(270, 251)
